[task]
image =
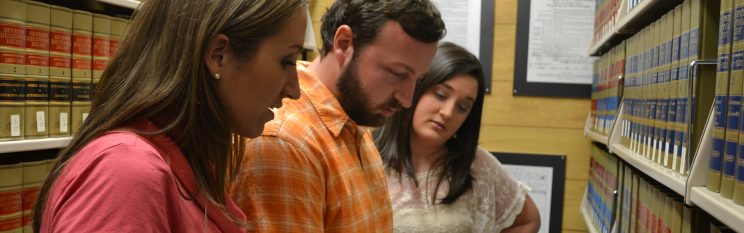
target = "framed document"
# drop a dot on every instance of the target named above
(469, 24)
(545, 174)
(552, 48)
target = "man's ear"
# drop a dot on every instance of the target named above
(343, 44)
(217, 49)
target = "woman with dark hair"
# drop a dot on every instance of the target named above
(163, 138)
(439, 180)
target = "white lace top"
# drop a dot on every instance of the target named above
(490, 206)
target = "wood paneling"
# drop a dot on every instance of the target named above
(504, 39)
(574, 193)
(506, 12)
(554, 141)
(502, 108)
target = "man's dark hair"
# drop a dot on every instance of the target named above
(419, 18)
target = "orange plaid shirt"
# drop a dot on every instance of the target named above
(313, 170)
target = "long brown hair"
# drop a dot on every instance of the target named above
(159, 73)
(393, 138)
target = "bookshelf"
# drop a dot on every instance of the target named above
(33, 144)
(594, 135)
(131, 4)
(584, 209)
(725, 210)
(663, 175)
(629, 23)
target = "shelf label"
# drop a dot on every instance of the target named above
(15, 125)
(40, 121)
(63, 122)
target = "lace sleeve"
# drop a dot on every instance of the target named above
(499, 198)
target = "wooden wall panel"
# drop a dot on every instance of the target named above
(504, 39)
(502, 108)
(555, 141)
(573, 195)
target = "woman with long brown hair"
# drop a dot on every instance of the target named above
(160, 145)
(439, 179)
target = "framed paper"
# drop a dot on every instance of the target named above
(469, 24)
(545, 174)
(552, 48)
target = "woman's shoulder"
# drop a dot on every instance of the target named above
(485, 160)
(118, 152)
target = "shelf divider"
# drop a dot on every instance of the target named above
(33, 144)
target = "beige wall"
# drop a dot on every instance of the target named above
(525, 124)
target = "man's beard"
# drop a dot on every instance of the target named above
(356, 102)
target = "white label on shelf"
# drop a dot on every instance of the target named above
(683, 161)
(40, 121)
(626, 129)
(647, 141)
(85, 115)
(654, 150)
(63, 122)
(15, 125)
(674, 160)
(666, 154)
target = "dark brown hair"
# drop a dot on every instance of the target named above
(419, 18)
(393, 138)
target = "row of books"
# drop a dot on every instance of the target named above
(726, 171)
(625, 200)
(51, 59)
(606, 15)
(19, 185)
(657, 96)
(601, 187)
(607, 89)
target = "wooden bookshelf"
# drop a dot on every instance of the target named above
(33, 144)
(725, 210)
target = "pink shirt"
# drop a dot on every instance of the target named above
(122, 182)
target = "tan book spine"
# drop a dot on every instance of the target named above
(37, 106)
(37, 38)
(684, 59)
(12, 37)
(118, 27)
(12, 116)
(60, 98)
(101, 44)
(721, 96)
(737, 74)
(11, 180)
(34, 174)
(82, 44)
(82, 49)
(60, 42)
(673, 88)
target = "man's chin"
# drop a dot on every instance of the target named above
(371, 120)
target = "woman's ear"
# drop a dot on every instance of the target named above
(343, 44)
(217, 49)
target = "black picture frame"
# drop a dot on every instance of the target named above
(558, 163)
(524, 88)
(486, 41)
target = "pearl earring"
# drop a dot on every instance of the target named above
(217, 76)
